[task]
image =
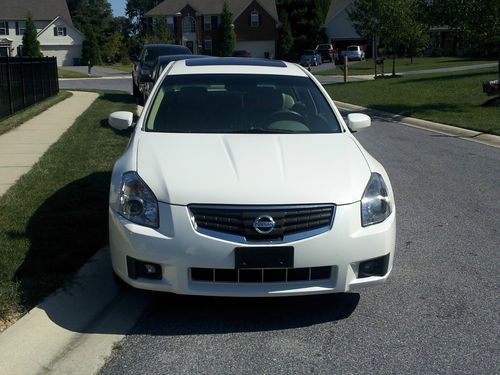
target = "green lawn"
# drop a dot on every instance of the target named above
(405, 65)
(118, 66)
(23, 116)
(449, 98)
(55, 217)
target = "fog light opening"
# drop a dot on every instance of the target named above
(147, 270)
(373, 267)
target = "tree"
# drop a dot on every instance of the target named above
(285, 37)
(135, 11)
(393, 21)
(91, 53)
(308, 19)
(31, 45)
(475, 24)
(227, 34)
(159, 32)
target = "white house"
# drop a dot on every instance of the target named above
(56, 33)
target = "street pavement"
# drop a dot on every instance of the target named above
(438, 312)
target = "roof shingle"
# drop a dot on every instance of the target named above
(40, 10)
(236, 7)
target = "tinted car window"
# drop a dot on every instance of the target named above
(230, 103)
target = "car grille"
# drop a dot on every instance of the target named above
(290, 222)
(260, 275)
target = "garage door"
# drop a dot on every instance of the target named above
(265, 48)
(65, 54)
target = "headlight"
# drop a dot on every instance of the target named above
(137, 202)
(375, 205)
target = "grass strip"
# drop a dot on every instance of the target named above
(30, 112)
(406, 65)
(62, 73)
(449, 98)
(55, 217)
(127, 68)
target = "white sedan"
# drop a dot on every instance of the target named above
(242, 179)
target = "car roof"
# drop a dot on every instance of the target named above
(168, 58)
(235, 65)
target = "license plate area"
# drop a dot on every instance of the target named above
(263, 257)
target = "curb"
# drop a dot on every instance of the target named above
(74, 330)
(452, 131)
(123, 76)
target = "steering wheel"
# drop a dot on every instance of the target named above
(284, 116)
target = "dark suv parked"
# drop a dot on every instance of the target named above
(148, 56)
(326, 51)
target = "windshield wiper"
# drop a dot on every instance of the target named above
(263, 131)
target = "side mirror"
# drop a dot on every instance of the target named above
(358, 121)
(121, 120)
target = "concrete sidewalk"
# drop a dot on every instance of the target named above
(23, 146)
(73, 330)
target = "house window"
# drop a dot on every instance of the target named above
(215, 22)
(20, 27)
(188, 25)
(207, 23)
(60, 31)
(19, 50)
(4, 28)
(208, 45)
(170, 23)
(254, 19)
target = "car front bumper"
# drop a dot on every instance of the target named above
(177, 247)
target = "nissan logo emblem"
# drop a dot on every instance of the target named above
(264, 224)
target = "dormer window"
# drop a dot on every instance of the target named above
(254, 19)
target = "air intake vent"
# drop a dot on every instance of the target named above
(260, 275)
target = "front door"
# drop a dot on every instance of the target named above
(189, 44)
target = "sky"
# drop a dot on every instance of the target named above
(118, 7)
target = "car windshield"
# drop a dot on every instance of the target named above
(153, 53)
(352, 48)
(309, 52)
(233, 103)
(324, 46)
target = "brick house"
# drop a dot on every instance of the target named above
(55, 30)
(195, 24)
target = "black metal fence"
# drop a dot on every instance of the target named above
(25, 81)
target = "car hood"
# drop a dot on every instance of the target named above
(252, 168)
